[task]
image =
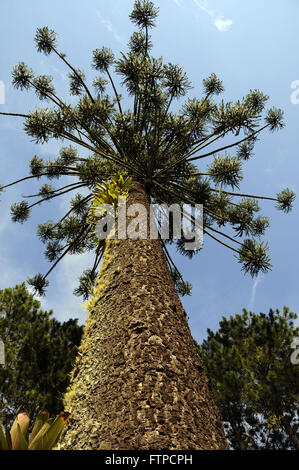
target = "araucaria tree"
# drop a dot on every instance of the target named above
(138, 382)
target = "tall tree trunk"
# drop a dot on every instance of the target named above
(138, 382)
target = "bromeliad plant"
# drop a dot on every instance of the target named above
(44, 434)
(159, 147)
(110, 193)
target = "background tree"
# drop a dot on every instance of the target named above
(254, 383)
(39, 354)
(159, 149)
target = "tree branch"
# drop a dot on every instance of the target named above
(55, 195)
(54, 190)
(72, 209)
(231, 145)
(115, 91)
(61, 56)
(67, 250)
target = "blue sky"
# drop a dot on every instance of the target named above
(248, 44)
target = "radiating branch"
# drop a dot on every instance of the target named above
(15, 114)
(56, 195)
(186, 157)
(62, 57)
(224, 235)
(84, 229)
(54, 190)
(221, 242)
(226, 147)
(72, 209)
(244, 195)
(23, 179)
(169, 259)
(115, 91)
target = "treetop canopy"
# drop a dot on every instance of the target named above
(160, 148)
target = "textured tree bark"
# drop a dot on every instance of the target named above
(138, 382)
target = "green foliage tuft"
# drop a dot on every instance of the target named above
(176, 81)
(139, 43)
(38, 283)
(20, 211)
(46, 231)
(37, 165)
(43, 87)
(226, 171)
(245, 149)
(53, 250)
(144, 14)
(100, 84)
(256, 101)
(254, 257)
(285, 200)
(76, 82)
(21, 76)
(102, 59)
(212, 85)
(68, 155)
(86, 284)
(45, 40)
(183, 287)
(275, 119)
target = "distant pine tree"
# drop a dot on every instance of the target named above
(135, 382)
(254, 382)
(39, 354)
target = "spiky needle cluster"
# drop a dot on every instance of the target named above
(151, 143)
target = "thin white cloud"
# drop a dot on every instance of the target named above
(256, 282)
(203, 5)
(222, 24)
(109, 26)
